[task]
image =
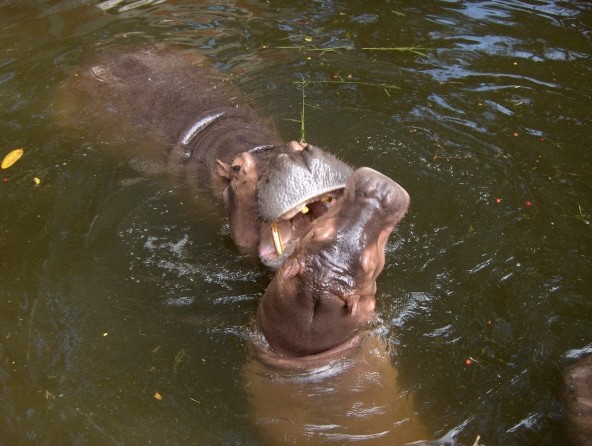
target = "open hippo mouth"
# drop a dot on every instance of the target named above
(298, 187)
(324, 291)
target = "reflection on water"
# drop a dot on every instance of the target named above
(119, 282)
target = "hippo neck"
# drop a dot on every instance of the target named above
(222, 133)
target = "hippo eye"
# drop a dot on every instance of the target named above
(236, 168)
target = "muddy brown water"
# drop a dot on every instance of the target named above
(125, 310)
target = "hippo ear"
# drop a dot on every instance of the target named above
(223, 169)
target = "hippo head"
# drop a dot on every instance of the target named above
(299, 185)
(323, 294)
(272, 194)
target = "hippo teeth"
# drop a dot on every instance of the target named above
(277, 239)
(304, 209)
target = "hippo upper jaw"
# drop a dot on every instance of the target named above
(324, 292)
(296, 176)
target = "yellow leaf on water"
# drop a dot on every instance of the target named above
(158, 396)
(12, 158)
(36, 180)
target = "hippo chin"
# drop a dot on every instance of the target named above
(323, 294)
(352, 397)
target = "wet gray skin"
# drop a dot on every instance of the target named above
(323, 293)
(297, 177)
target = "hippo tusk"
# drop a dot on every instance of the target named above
(277, 239)
(304, 209)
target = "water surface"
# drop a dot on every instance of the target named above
(119, 284)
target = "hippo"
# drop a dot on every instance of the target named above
(320, 375)
(578, 400)
(323, 294)
(319, 224)
(182, 102)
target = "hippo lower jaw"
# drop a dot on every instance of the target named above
(323, 294)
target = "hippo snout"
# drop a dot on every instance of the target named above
(295, 177)
(368, 184)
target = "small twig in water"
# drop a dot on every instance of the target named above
(583, 216)
(411, 49)
(368, 84)
(442, 149)
(178, 359)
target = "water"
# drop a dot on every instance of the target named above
(120, 286)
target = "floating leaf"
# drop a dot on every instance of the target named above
(12, 158)
(36, 180)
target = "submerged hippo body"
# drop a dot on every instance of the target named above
(183, 103)
(352, 398)
(578, 399)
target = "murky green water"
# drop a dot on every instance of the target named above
(117, 284)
